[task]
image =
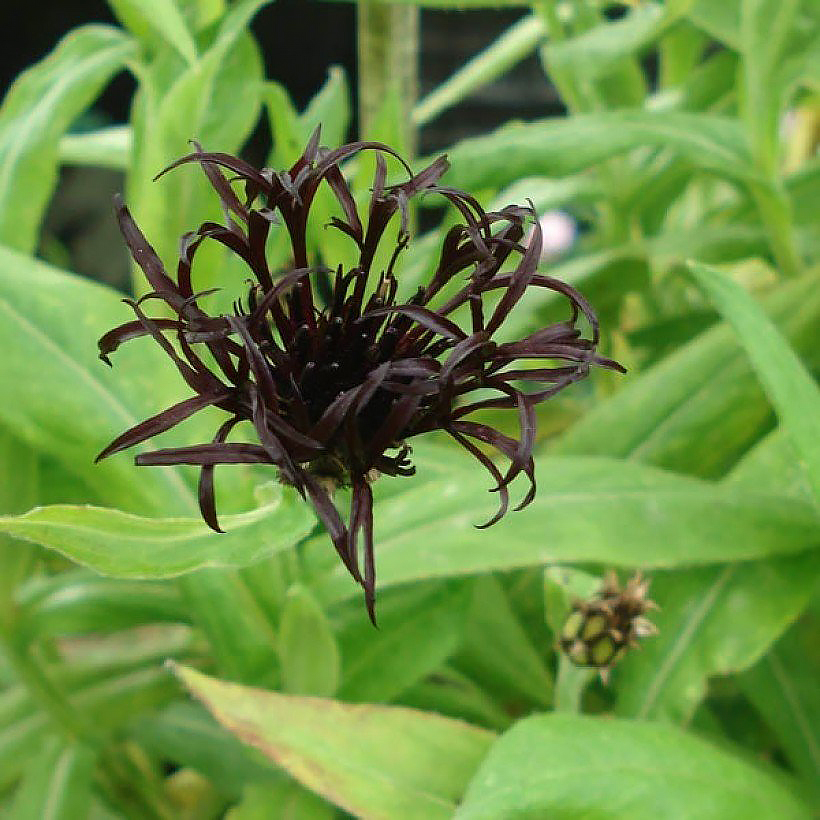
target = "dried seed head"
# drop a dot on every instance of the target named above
(598, 632)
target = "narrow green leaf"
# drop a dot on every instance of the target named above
(19, 485)
(516, 43)
(587, 509)
(712, 621)
(284, 801)
(765, 26)
(78, 602)
(568, 766)
(449, 692)
(308, 652)
(215, 101)
(185, 734)
(49, 324)
(674, 414)
(565, 146)
(161, 16)
(793, 392)
(595, 51)
(373, 761)
(783, 688)
(124, 545)
(57, 784)
(107, 148)
(37, 110)
(420, 627)
(497, 650)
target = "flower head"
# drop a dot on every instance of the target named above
(336, 387)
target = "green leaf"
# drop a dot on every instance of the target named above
(163, 17)
(123, 545)
(38, 109)
(56, 785)
(719, 20)
(19, 485)
(497, 650)
(587, 509)
(596, 51)
(78, 602)
(215, 101)
(674, 414)
(107, 148)
(516, 43)
(373, 761)
(308, 652)
(419, 628)
(570, 766)
(793, 392)
(49, 324)
(187, 735)
(783, 688)
(558, 146)
(284, 801)
(712, 621)
(449, 692)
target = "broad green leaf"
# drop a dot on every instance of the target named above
(37, 110)
(674, 414)
(308, 652)
(571, 766)
(57, 784)
(373, 761)
(793, 392)
(497, 650)
(712, 621)
(160, 16)
(516, 43)
(783, 688)
(558, 147)
(107, 148)
(185, 734)
(49, 325)
(419, 628)
(123, 545)
(587, 509)
(215, 101)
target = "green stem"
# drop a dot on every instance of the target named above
(775, 214)
(388, 46)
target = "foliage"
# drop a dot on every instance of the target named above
(688, 158)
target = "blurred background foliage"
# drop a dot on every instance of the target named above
(671, 149)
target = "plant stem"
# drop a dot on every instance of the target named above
(388, 45)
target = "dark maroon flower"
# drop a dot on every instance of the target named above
(336, 387)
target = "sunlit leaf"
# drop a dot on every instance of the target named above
(373, 761)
